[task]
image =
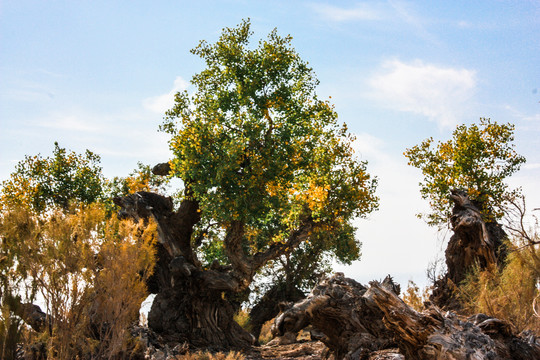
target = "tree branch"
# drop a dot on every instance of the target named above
(174, 228)
(277, 249)
(235, 252)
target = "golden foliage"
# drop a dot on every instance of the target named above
(414, 297)
(88, 269)
(507, 294)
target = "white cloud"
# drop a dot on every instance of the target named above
(164, 102)
(334, 13)
(440, 93)
(394, 240)
(69, 123)
(533, 166)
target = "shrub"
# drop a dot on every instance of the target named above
(509, 293)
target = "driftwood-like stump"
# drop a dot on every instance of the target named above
(358, 322)
(348, 323)
(475, 243)
(433, 334)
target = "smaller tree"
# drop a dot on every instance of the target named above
(66, 177)
(477, 159)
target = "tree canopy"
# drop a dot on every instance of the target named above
(257, 148)
(41, 183)
(478, 159)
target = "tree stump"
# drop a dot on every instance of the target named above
(475, 243)
(358, 322)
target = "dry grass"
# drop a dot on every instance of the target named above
(507, 294)
(206, 355)
(242, 319)
(266, 334)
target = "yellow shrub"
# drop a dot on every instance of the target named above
(414, 298)
(508, 293)
(90, 271)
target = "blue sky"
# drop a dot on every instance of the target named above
(98, 75)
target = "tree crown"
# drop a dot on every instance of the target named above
(256, 146)
(41, 183)
(478, 158)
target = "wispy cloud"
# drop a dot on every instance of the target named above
(164, 102)
(440, 93)
(122, 137)
(362, 11)
(68, 123)
(408, 14)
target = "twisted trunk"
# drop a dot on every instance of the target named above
(192, 304)
(475, 243)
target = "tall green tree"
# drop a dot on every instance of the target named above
(478, 159)
(265, 164)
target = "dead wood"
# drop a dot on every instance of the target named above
(357, 322)
(433, 334)
(475, 243)
(347, 322)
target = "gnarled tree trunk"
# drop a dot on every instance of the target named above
(196, 303)
(475, 242)
(192, 304)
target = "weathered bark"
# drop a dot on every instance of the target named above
(190, 312)
(268, 306)
(357, 322)
(433, 334)
(475, 243)
(346, 321)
